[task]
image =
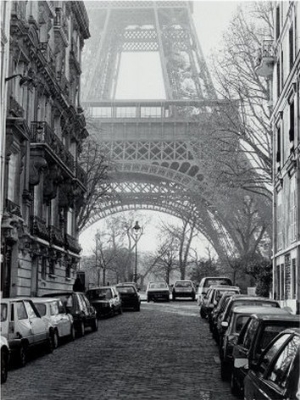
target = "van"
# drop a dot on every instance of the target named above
(208, 281)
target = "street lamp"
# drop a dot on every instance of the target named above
(137, 233)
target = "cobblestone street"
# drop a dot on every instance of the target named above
(163, 352)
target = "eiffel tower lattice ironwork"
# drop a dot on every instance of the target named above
(156, 144)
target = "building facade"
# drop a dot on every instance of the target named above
(281, 64)
(43, 185)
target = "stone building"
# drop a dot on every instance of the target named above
(281, 64)
(43, 185)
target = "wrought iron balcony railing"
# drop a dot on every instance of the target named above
(42, 133)
(39, 228)
(72, 244)
(15, 108)
(56, 236)
(48, 54)
(13, 208)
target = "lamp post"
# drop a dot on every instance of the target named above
(137, 233)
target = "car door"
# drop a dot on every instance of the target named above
(274, 381)
(38, 326)
(255, 384)
(20, 321)
(61, 320)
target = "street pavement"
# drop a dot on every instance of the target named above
(165, 351)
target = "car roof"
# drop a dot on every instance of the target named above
(265, 317)
(292, 330)
(225, 287)
(100, 287)
(183, 280)
(126, 284)
(57, 294)
(260, 310)
(9, 299)
(44, 299)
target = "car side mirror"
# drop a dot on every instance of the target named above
(224, 324)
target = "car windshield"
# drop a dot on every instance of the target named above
(124, 289)
(41, 308)
(240, 321)
(215, 281)
(99, 294)
(183, 284)
(3, 312)
(158, 285)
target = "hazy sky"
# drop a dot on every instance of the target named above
(138, 81)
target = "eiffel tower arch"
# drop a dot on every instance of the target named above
(156, 144)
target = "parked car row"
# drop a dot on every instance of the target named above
(259, 344)
(46, 321)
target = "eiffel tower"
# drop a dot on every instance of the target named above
(156, 144)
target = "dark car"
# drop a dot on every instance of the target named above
(236, 320)
(276, 374)
(216, 312)
(241, 300)
(211, 299)
(106, 300)
(183, 288)
(83, 313)
(129, 296)
(255, 335)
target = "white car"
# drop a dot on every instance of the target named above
(53, 311)
(23, 327)
(158, 291)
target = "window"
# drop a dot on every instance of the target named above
(278, 154)
(277, 22)
(68, 270)
(292, 122)
(3, 312)
(249, 335)
(44, 268)
(282, 294)
(271, 353)
(21, 311)
(293, 211)
(279, 221)
(240, 322)
(294, 279)
(41, 308)
(291, 46)
(126, 112)
(51, 267)
(54, 308)
(279, 371)
(30, 311)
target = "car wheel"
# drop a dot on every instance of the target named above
(225, 371)
(148, 299)
(49, 344)
(73, 333)
(55, 339)
(4, 366)
(173, 297)
(81, 329)
(120, 311)
(202, 313)
(22, 355)
(233, 386)
(95, 325)
(138, 307)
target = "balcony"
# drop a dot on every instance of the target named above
(266, 59)
(42, 133)
(49, 56)
(13, 208)
(15, 109)
(72, 244)
(81, 175)
(39, 228)
(56, 236)
(60, 26)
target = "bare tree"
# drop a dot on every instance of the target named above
(166, 260)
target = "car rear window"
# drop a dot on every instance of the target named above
(183, 284)
(41, 308)
(128, 289)
(3, 312)
(217, 281)
(158, 285)
(99, 294)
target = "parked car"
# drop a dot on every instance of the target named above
(129, 296)
(276, 374)
(183, 288)
(236, 320)
(208, 281)
(240, 300)
(256, 334)
(212, 297)
(55, 313)
(83, 313)
(214, 316)
(5, 356)
(23, 327)
(106, 300)
(158, 291)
